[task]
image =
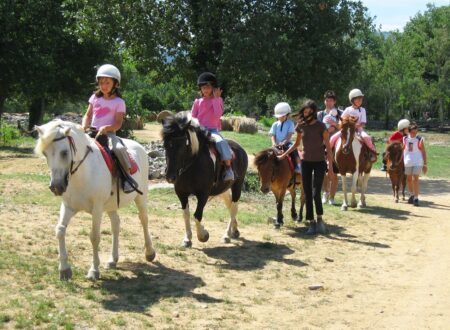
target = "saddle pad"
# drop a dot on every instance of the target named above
(109, 161)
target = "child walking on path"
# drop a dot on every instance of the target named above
(282, 131)
(208, 109)
(355, 110)
(106, 112)
(415, 159)
(314, 136)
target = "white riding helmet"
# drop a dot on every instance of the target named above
(402, 124)
(354, 93)
(282, 109)
(108, 70)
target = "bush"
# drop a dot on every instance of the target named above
(266, 121)
(251, 182)
(8, 134)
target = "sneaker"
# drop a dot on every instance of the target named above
(127, 187)
(229, 175)
(416, 202)
(298, 169)
(383, 168)
(325, 196)
(411, 199)
(332, 201)
(312, 230)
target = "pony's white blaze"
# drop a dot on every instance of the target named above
(81, 177)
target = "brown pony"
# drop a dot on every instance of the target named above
(396, 168)
(350, 158)
(276, 175)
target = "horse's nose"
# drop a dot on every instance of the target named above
(264, 190)
(57, 191)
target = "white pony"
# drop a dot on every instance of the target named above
(81, 177)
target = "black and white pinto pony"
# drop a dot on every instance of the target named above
(191, 167)
(81, 177)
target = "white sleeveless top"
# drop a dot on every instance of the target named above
(412, 155)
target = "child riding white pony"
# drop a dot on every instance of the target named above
(81, 177)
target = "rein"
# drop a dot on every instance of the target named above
(73, 150)
(185, 167)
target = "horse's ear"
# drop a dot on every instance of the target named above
(39, 130)
(67, 131)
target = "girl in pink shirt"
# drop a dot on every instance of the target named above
(208, 109)
(106, 112)
(356, 110)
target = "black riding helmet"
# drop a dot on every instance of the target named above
(207, 78)
(329, 95)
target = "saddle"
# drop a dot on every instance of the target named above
(218, 163)
(113, 163)
(291, 162)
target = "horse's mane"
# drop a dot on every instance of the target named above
(49, 131)
(393, 147)
(349, 120)
(262, 157)
(183, 123)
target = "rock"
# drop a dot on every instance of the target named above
(316, 286)
(176, 314)
(329, 259)
(155, 153)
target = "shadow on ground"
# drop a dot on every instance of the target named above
(382, 185)
(337, 233)
(149, 284)
(251, 255)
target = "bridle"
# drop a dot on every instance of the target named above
(73, 151)
(186, 166)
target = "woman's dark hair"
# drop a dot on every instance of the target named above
(307, 104)
(329, 95)
(114, 90)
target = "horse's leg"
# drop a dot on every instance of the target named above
(187, 240)
(65, 214)
(344, 206)
(94, 271)
(141, 203)
(365, 180)
(293, 193)
(202, 233)
(355, 177)
(232, 230)
(115, 229)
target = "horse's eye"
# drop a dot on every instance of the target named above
(64, 154)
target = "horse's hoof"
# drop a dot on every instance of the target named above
(344, 207)
(186, 244)
(150, 257)
(396, 200)
(353, 205)
(205, 237)
(93, 275)
(235, 234)
(361, 205)
(111, 265)
(299, 220)
(226, 239)
(66, 274)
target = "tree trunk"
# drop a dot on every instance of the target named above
(36, 116)
(441, 114)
